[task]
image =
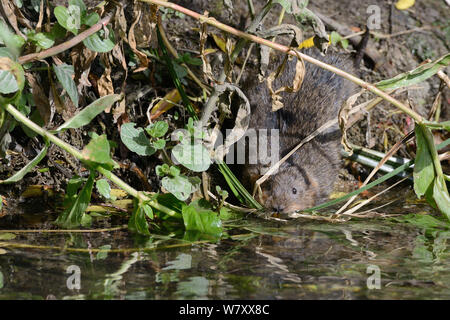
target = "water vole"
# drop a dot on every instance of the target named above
(307, 178)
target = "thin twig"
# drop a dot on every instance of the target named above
(292, 52)
(66, 45)
(65, 231)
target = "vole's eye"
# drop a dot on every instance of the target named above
(294, 191)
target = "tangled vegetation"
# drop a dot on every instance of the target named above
(184, 148)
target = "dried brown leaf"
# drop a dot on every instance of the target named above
(296, 83)
(132, 39)
(207, 70)
(343, 116)
(9, 9)
(40, 98)
(119, 111)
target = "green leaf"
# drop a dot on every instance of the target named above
(186, 58)
(162, 170)
(159, 144)
(102, 255)
(415, 76)
(103, 188)
(91, 19)
(180, 186)
(136, 140)
(198, 216)
(7, 236)
(137, 222)
(43, 40)
(423, 164)
(5, 52)
(98, 151)
(86, 220)
(99, 43)
(72, 216)
(86, 115)
(148, 210)
(195, 157)
(8, 83)
(12, 41)
(64, 73)
(68, 20)
(157, 129)
(27, 168)
(174, 171)
(80, 4)
(440, 195)
(335, 37)
(1, 280)
(72, 190)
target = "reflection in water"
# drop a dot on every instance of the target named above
(260, 260)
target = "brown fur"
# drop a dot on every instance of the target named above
(312, 170)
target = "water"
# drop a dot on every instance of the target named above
(256, 259)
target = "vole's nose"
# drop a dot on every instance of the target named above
(278, 208)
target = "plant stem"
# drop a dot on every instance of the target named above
(66, 45)
(77, 154)
(433, 152)
(249, 37)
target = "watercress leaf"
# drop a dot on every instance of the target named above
(103, 188)
(86, 115)
(159, 144)
(195, 157)
(102, 255)
(72, 216)
(91, 19)
(64, 73)
(42, 40)
(98, 151)
(179, 186)
(5, 52)
(86, 220)
(137, 222)
(157, 129)
(162, 170)
(169, 201)
(12, 41)
(12, 79)
(99, 43)
(199, 217)
(335, 37)
(69, 20)
(7, 236)
(80, 4)
(441, 196)
(136, 140)
(148, 210)
(57, 31)
(72, 188)
(423, 164)
(8, 83)
(174, 171)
